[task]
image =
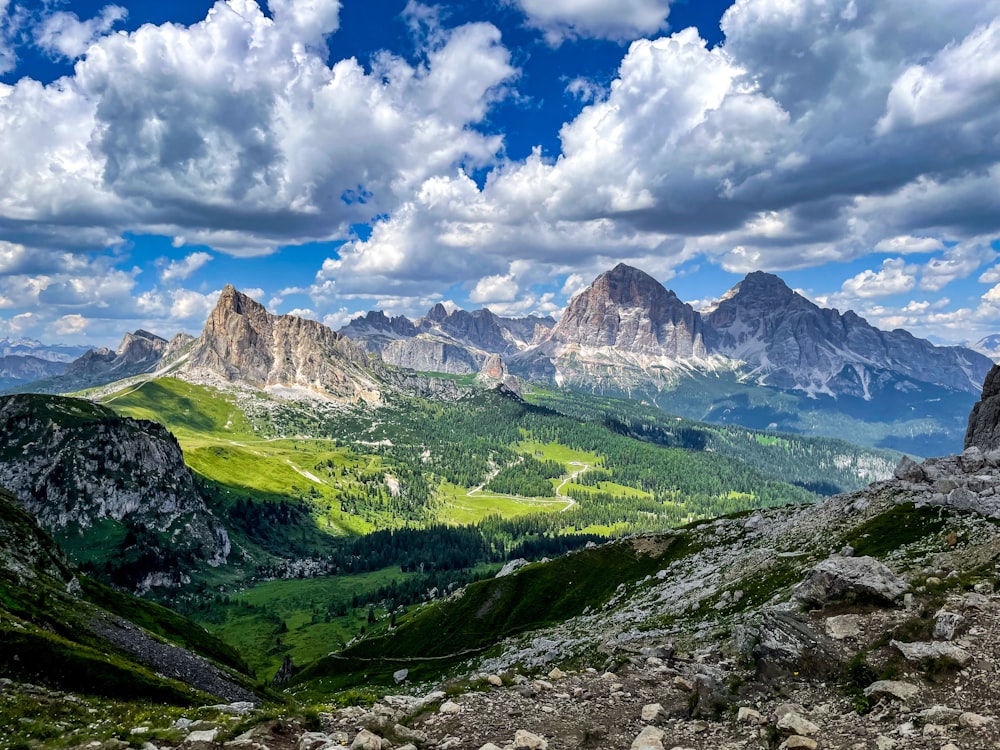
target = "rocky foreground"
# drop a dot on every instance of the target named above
(867, 621)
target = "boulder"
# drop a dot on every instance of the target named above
(849, 579)
(649, 738)
(931, 650)
(909, 470)
(366, 741)
(782, 643)
(945, 625)
(525, 740)
(902, 691)
(840, 627)
(792, 723)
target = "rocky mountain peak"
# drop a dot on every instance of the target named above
(629, 310)
(243, 342)
(438, 313)
(141, 345)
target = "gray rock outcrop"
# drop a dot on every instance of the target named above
(984, 421)
(850, 579)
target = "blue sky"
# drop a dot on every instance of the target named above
(333, 157)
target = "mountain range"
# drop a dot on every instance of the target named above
(763, 356)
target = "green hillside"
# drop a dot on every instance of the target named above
(57, 631)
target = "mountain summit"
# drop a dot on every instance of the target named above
(244, 342)
(628, 310)
(789, 342)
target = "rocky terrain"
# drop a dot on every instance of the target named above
(456, 342)
(868, 621)
(77, 467)
(789, 342)
(139, 353)
(242, 342)
(16, 369)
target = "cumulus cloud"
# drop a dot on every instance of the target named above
(623, 20)
(896, 277)
(10, 21)
(956, 262)
(235, 131)
(63, 34)
(180, 270)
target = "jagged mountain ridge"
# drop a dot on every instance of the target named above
(140, 352)
(26, 347)
(626, 329)
(456, 342)
(77, 466)
(243, 342)
(792, 343)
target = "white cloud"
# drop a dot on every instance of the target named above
(957, 84)
(180, 270)
(896, 277)
(10, 22)
(69, 325)
(581, 19)
(957, 262)
(494, 289)
(63, 34)
(906, 244)
(236, 133)
(585, 89)
(990, 276)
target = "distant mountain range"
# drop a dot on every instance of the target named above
(763, 356)
(988, 346)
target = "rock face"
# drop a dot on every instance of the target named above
(850, 579)
(629, 311)
(454, 342)
(494, 374)
(789, 342)
(16, 369)
(243, 342)
(627, 329)
(75, 465)
(139, 353)
(984, 421)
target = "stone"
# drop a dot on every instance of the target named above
(792, 723)
(945, 624)
(849, 578)
(748, 716)
(840, 627)
(489, 746)
(400, 675)
(884, 743)
(940, 715)
(201, 735)
(495, 680)
(366, 741)
(683, 683)
(974, 721)
(650, 738)
(972, 459)
(405, 734)
(902, 691)
(313, 741)
(556, 674)
(797, 742)
(450, 707)
(909, 470)
(525, 740)
(950, 746)
(782, 643)
(931, 650)
(651, 712)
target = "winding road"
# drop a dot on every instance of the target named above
(570, 502)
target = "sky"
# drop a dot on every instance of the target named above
(334, 156)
